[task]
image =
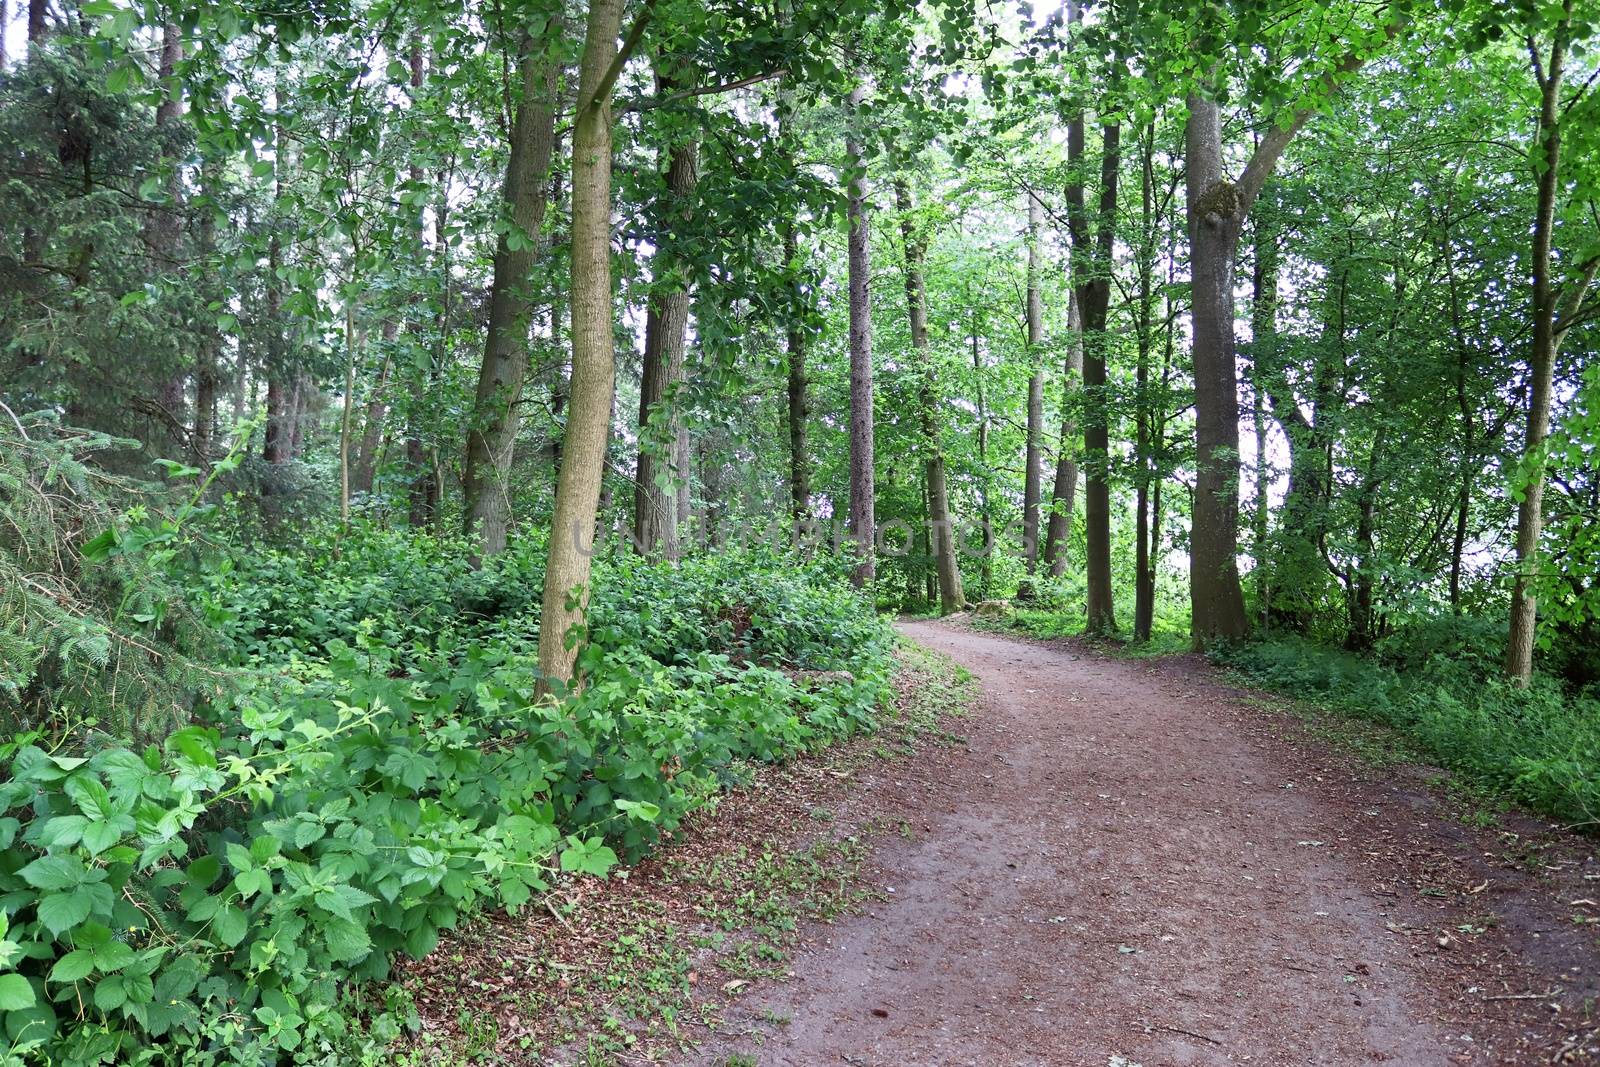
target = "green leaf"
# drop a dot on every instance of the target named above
(642, 810)
(16, 993)
(73, 966)
(53, 873)
(249, 883)
(60, 912)
(347, 940)
(230, 926)
(113, 956)
(109, 993)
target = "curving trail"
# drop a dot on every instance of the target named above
(1117, 870)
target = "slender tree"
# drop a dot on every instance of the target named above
(941, 532)
(1554, 309)
(1064, 491)
(655, 499)
(1034, 441)
(496, 409)
(583, 454)
(863, 522)
(1092, 246)
(799, 405)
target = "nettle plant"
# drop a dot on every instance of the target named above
(212, 892)
(208, 899)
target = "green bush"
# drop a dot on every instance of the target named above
(1537, 746)
(205, 900)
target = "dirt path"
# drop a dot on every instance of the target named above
(1117, 869)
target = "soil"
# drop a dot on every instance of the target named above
(1130, 863)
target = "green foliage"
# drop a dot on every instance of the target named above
(202, 900)
(1441, 686)
(92, 629)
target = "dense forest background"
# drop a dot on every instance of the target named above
(379, 377)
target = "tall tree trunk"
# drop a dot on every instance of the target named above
(166, 224)
(566, 580)
(366, 463)
(1361, 632)
(1092, 267)
(353, 344)
(38, 21)
(1034, 446)
(941, 532)
(863, 522)
(1217, 209)
(1547, 332)
(799, 405)
(1214, 212)
(496, 412)
(1263, 351)
(1147, 431)
(275, 444)
(1064, 494)
(1469, 447)
(985, 516)
(423, 488)
(655, 505)
(206, 370)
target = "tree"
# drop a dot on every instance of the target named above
(1217, 209)
(1556, 306)
(496, 416)
(1033, 454)
(661, 431)
(863, 523)
(583, 454)
(1091, 278)
(941, 530)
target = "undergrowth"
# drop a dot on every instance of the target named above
(1439, 684)
(377, 768)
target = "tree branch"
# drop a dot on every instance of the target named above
(648, 103)
(608, 81)
(1272, 146)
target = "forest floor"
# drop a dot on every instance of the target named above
(1121, 862)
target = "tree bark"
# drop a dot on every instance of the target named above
(1147, 430)
(353, 344)
(276, 439)
(1547, 333)
(656, 505)
(863, 522)
(423, 488)
(366, 464)
(496, 412)
(165, 226)
(1214, 217)
(566, 580)
(1263, 350)
(941, 533)
(206, 371)
(1034, 446)
(799, 405)
(1092, 266)
(1064, 493)
(986, 564)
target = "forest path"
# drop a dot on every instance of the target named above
(1114, 870)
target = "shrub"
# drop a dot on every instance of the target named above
(1538, 746)
(205, 899)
